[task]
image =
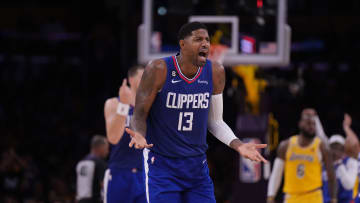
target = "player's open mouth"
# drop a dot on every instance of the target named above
(203, 55)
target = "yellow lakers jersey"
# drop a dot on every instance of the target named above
(302, 167)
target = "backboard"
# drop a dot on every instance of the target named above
(254, 30)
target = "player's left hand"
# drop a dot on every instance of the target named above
(137, 140)
(250, 151)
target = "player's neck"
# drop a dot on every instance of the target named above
(304, 141)
(186, 66)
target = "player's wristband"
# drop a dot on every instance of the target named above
(123, 109)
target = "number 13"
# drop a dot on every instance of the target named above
(189, 121)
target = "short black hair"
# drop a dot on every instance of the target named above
(186, 29)
(97, 141)
(133, 70)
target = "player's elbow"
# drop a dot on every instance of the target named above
(113, 139)
(114, 134)
(213, 124)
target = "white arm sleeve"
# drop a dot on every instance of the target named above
(275, 178)
(347, 174)
(320, 130)
(216, 124)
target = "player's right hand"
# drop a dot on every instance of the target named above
(137, 140)
(125, 93)
(347, 121)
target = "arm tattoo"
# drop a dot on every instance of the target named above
(151, 81)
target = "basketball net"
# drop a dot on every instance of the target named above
(217, 52)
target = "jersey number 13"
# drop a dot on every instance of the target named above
(185, 121)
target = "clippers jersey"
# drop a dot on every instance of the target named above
(177, 121)
(121, 155)
(302, 167)
(343, 195)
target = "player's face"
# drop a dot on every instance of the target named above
(337, 151)
(135, 80)
(198, 46)
(307, 125)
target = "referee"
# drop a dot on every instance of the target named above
(90, 172)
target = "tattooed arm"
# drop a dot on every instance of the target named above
(151, 82)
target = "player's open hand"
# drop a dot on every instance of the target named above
(137, 140)
(250, 151)
(125, 93)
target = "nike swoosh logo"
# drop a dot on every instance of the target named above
(175, 81)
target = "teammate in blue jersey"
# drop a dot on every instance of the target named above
(346, 172)
(125, 177)
(178, 100)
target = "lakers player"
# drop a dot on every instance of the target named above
(301, 158)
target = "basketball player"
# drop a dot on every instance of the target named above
(90, 172)
(345, 169)
(352, 149)
(302, 156)
(179, 98)
(124, 179)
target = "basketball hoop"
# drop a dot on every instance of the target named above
(217, 52)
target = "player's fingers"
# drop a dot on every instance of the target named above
(149, 145)
(124, 82)
(132, 142)
(255, 158)
(259, 146)
(130, 132)
(262, 158)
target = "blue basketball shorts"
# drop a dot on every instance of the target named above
(177, 180)
(124, 186)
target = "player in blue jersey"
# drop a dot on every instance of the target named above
(345, 169)
(352, 149)
(125, 178)
(179, 99)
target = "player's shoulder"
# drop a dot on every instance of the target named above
(283, 146)
(157, 65)
(284, 143)
(216, 66)
(155, 73)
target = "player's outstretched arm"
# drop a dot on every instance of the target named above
(219, 128)
(329, 167)
(277, 172)
(352, 146)
(151, 83)
(115, 112)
